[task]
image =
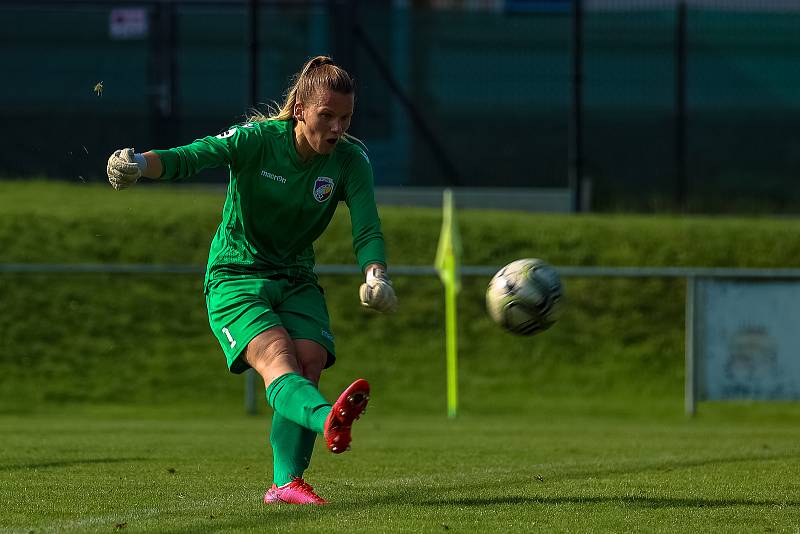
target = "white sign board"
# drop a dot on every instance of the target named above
(128, 23)
(747, 339)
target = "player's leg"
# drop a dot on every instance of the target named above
(312, 358)
(293, 445)
(305, 315)
(250, 331)
(300, 413)
(251, 334)
(241, 314)
(272, 354)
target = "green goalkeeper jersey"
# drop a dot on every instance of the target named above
(277, 205)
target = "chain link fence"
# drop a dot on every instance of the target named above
(683, 105)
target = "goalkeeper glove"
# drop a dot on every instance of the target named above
(125, 168)
(377, 292)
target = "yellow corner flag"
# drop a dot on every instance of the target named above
(448, 265)
(448, 254)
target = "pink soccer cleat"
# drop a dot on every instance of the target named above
(295, 492)
(347, 408)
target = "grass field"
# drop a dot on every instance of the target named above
(117, 412)
(610, 469)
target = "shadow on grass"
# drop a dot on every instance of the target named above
(271, 518)
(674, 465)
(525, 479)
(68, 463)
(642, 502)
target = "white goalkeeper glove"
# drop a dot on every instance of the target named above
(377, 292)
(125, 168)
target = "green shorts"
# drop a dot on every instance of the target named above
(241, 308)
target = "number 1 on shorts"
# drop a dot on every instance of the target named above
(228, 335)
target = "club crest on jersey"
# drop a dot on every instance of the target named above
(323, 188)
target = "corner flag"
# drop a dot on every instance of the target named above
(448, 263)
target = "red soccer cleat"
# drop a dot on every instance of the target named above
(295, 492)
(347, 408)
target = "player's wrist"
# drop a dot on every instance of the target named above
(375, 271)
(154, 169)
(140, 162)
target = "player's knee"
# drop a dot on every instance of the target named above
(271, 352)
(312, 372)
(312, 358)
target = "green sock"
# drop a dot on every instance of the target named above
(292, 446)
(297, 399)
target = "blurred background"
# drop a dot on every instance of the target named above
(642, 105)
(601, 133)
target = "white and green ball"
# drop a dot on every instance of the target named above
(525, 296)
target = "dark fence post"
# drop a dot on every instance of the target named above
(681, 174)
(252, 41)
(251, 381)
(343, 16)
(417, 117)
(359, 37)
(576, 115)
(163, 86)
(342, 20)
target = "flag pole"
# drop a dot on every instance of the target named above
(448, 266)
(452, 349)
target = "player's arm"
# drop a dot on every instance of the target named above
(153, 168)
(377, 291)
(125, 166)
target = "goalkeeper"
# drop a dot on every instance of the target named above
(288, 172)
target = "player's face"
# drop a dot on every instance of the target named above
(325, 119)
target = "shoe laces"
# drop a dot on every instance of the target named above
(302, 485)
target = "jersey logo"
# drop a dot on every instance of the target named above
(323, 188)
(277, 178)
(229, 133)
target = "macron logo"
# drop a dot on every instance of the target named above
(267, 174)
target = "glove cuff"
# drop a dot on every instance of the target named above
(376, 273)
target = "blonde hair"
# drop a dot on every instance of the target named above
(319, 73)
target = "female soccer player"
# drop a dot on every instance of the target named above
(287, 174)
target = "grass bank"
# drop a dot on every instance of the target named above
(78, 338)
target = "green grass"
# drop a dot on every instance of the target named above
(559, 468)
(56, 222)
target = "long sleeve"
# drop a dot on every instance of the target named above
(208, 152)
(368, 243)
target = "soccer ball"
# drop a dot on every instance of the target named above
(525, 296)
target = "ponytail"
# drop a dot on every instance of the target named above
(318, 73)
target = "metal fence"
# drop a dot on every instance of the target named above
(698, 372)
(647, 104)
